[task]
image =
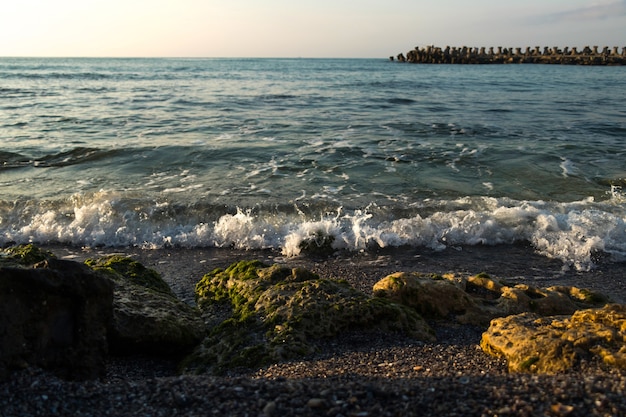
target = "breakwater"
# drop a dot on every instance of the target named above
(537, 55)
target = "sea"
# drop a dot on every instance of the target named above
(276, 154)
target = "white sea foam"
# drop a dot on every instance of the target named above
(183, 189)
(572, 232)
(310, 230)
(567, 168)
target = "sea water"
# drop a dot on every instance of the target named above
(269, 153)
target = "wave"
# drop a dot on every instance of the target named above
(46, 75)
(72, 157)
(10, 160)
(575, 233)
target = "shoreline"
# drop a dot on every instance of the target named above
(181, 268)
(357, 374)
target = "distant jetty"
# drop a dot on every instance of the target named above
(537, 55)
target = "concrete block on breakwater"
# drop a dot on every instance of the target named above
(537, 55)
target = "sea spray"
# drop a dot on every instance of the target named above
(572, 232)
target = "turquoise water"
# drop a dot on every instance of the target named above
(264, 153)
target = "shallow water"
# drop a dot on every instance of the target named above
(266, 153)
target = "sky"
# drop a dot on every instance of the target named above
(299, 28)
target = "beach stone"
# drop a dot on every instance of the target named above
(53, 314)
(25, 255)
(531, 343)
(431, 295)
(277, 313)
(316, 403)
(480, 298)
(318, 243)
(545, 301)
(147, 316)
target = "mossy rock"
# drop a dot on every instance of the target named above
(534, 344)
(147, 315)
(131, 270)
(431, 295)
(24, 255)
(279, 313)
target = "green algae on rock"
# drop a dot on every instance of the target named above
(147, 316)
(26, 255)
(276, 313)
(535, 344)
(435, 296)
(132, 271)
(478, 299)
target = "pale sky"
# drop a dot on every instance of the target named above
(299, 28)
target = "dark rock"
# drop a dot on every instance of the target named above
(131, 271)
(318, 243)
(147, 316)
(53, 314)
(436, 55)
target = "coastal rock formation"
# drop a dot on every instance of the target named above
(67, 316)
(555, 55)
(147, 316)
(53, 314)
(479, 298)
(268, 314)
(531, 343)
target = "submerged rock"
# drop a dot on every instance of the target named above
(531, 343)
(318, 243)
(269, 314)
(53, 314)
(147, 316)
(479, 298)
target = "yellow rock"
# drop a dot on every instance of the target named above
(479, 299)
(431, 296)
(531, 343)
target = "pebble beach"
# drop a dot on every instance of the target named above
(357, 374)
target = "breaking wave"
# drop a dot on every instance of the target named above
(573, 232)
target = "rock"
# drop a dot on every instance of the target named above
(479, 299)
(53, 314)
(147, 316)
(532, 343)
(316, 403)
(270, 409)
(26, 255)
(65, 316)
(545, 301)
(318, 243)
(437, 55)
(131, 272)
(430, 295)
(277, 313)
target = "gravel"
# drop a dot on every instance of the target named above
(356, 374)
